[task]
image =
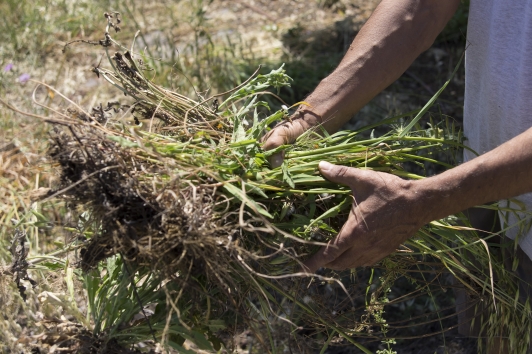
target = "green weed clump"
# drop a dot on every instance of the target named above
(192, 236)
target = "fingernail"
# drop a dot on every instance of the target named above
(276, 160)
(325, 166)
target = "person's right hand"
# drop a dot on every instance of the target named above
(386, 211)
(287, 132)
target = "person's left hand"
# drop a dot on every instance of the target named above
(386, 211)
(287, 132)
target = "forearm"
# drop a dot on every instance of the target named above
(502, 173)
(395, 34)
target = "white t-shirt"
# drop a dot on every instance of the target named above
(498, 92)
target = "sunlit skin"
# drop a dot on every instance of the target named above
(387, 210)
(395, 34)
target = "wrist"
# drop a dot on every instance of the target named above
(307, 117)
(436, 198)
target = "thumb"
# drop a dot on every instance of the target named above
(338, 174)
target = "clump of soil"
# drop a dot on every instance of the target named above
(142, 210)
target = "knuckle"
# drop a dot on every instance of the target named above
(273, 139)
(342, 171)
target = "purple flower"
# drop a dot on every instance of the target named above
(8, 67)
(23, 78)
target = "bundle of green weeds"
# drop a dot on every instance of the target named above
(186, 191)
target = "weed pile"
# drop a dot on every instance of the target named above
(178, 196)
(149, 221)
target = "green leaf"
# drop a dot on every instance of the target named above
(216, 325)
(255, 190)
(259, 160)
(332, 212)
(198, 339)
(430, 103)
(303, 178)
(276, 78)
(239, 133)
(179, 348)
(323, 226)
(284, 210)
(53, 266)
(299, 219)
(386, 121)
(281, 260)
(286, 175)
(41, 218)
(237, 193)
(311, 198)
(123, 141)
(245, 142)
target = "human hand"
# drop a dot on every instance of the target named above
(287, 132)
(386, 211)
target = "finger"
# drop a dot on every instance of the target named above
(355, 257)
(351, 258)
(319, 259)
(276, 137)
(284, 133)
(339, 174)
(327, 254)
(280, 135)
(365, 252)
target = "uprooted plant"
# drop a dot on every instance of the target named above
(184, 214)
